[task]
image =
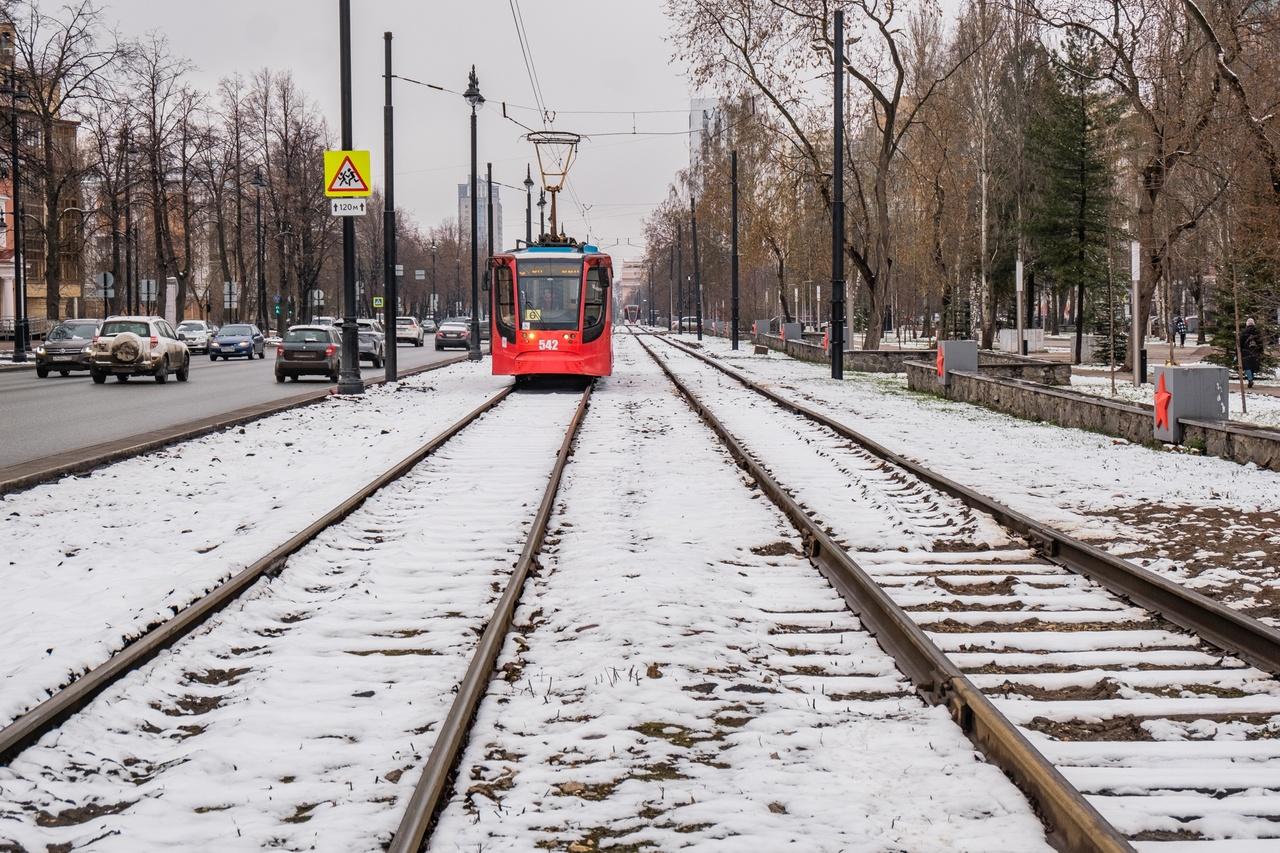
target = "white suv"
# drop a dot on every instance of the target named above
(138, 346)
(408, 329)
(196, 334)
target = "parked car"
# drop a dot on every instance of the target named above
(138, 346)
(197, 334)
(238, 340)
(67, 347)
(454, 332)
(410, 330)
(313, 350)
(326, 321)
(429, 326)
(368, 324)
(372, 347)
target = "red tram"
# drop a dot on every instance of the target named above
(550, 310)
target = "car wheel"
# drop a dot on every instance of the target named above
(98, 377)
(42, 371)
(212, 357)
(420, 342)
(280, 376)
(377, 364)
(122, 377)
(262, 354)
(162, 372)
(294, 377)
(64, 372)
(184, 372)
(438, 348)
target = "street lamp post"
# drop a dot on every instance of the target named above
(528, 204)
(258, 184)
(435, 312)
(542, 212)
(390, 285)
(476, 101)
(836, 337)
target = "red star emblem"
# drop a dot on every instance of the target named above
(1163, 398)
(941, 361)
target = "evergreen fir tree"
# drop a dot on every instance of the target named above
(1070, 222)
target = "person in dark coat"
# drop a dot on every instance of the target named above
(1180, 329)
(1251, 348)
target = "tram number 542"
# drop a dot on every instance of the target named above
(551, 344)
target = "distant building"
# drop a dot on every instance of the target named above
(706, 125)
(482, 214)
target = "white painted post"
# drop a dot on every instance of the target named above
(1138, 330)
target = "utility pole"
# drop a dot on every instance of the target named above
(837, 210)
(349, 381)
(697, 273)
(488, 266)
(542, 212)
(650, 312)
(476, 100)
(680, 277)
(391, 290)
(130, 294)
(259, 249)
(528, 204)
(733, 251)
(671, 284)
(1138, 331)
(1017, 283)
(435, 311)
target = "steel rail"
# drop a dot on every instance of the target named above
(429, 794)
(49, 714)
(24, 475)
(1213, 621)
(1073, 823)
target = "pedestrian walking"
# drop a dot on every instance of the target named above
(1251, 348)
(1180, 329)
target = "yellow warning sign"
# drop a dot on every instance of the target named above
(346, 174)
(533, 315)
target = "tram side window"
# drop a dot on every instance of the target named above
(506, 296)
(597, 290)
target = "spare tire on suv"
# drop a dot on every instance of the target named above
(126, 348)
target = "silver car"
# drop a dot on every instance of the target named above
(196, 334)
(67, 347)
(138, 346)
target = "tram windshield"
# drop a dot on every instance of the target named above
(550, 293)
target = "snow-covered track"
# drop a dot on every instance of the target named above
(1218, 624)
(1105, 695)
(49, 714)
(433, 788)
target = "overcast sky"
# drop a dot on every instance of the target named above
(588, 54)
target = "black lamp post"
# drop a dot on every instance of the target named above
(542, 212)
(528, 204)
(258, 183)
(349, 379)
(476, 101)
(435, 312)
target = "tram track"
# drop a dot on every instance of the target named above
(1078, 674)
(326, 552)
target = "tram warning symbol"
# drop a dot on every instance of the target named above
(344, 174)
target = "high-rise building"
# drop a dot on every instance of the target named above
(482, 214)
(706, 125)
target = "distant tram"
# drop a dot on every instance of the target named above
(550, 311)
(632, 313)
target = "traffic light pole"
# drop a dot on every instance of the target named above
(391, 305)
(733, 252)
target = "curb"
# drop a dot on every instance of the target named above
(27, 474)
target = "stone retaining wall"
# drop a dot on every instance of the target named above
(1238, 442)
(895, 361)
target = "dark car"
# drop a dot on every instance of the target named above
(454, 332)
(371, 346)
(242, 340)
(67, 347)
(309, 351)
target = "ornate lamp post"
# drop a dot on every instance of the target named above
(528, 205)
(476, 101)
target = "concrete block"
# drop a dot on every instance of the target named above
(1197, 391)
(955, 355)
(792, 332)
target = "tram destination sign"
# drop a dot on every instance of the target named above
(551, 268)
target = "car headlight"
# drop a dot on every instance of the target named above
(244, 343)
(87, 350)
(216, 344)
(40, 350)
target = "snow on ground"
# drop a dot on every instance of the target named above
(681, 678)
(299, 718)
(1203, 521)
(90, 562)
(1264, 409)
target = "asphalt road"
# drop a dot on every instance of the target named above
(40, 417)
